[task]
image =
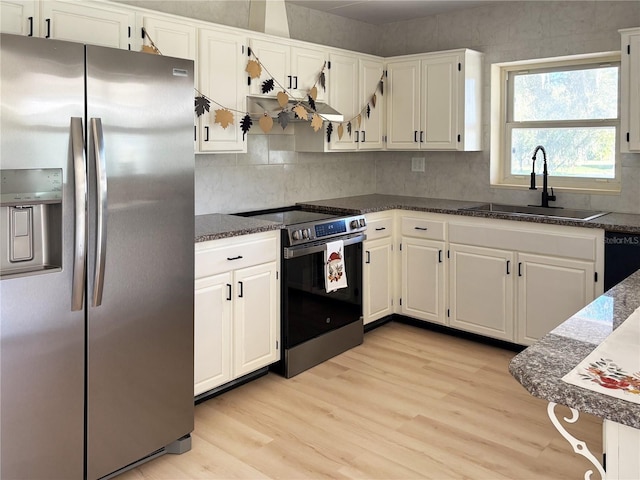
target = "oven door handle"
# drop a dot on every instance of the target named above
(300, 250)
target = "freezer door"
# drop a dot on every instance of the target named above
(140, 275)
(42, 339)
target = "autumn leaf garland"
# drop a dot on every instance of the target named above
(302, 109)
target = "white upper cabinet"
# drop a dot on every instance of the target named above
(95, 23)
(20, 17)
(630, 91)
(173, 37)
(353, 79)
(221, 64)
(293, 68)
(433, 101)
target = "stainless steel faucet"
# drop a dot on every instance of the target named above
(546, 198)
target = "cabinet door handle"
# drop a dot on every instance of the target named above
(206, 134)
(48, 22)
(368, 260)
(363, 136)
(229, 291)
(296, 84)
(415, 136)
(439, 256)
(421, 136)
(30, 26)
(234, 258)
(379, 229)
(508, 267)
(241, 290)
(421, 228)
(289, 80)
(357, 136)
(195, 133)
(519, 269)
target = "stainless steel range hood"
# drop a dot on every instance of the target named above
(257, 105)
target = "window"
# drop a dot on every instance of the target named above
(570, 106)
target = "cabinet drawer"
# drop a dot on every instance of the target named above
(220, 256)
(423, 228)
(379, 228)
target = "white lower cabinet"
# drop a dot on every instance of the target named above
(423, 251)
(423, 279)
(377, 269)
(517, 283)
(550, 290)
(481, 290)
(622, 448)
(237, 308)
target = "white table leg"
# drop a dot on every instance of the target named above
(579, 446)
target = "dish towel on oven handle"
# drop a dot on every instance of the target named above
(335, 274)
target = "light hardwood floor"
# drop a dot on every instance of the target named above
(408, 403)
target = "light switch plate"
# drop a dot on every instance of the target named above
(417, 164)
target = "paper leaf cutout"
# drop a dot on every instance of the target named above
(359, 118)
(329, 131)
(266, 123)
(381, 87)
(150, 49)
(202, 105)
(253, 69)
(368, 110)
(340, 131)
(313, 93)
(267, 85)
(312, 104)
(283, 99)
(349, 128)
(316, 122)
(224, 117)
(323, 81)
(374, 99)
(301, 112)
(245, 124)
(283, 119)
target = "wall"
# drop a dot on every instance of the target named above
(271, 174)
(506, 31)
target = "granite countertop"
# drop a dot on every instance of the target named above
(613, 222)
(218, 225)
(540, 367)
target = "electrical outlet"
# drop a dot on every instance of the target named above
(417, 164)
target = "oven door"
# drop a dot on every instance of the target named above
(308, 311)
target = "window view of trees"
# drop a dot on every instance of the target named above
(573, 113)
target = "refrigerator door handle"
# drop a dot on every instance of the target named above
(101, 205)
(80, 194)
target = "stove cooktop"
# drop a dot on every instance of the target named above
(292, 217)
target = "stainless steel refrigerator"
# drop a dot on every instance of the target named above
(96, 273)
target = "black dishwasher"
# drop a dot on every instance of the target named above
(621, 257)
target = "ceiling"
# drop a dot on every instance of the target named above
(378, 12)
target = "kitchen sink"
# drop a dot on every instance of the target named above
(554, 212)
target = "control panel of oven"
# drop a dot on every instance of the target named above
(314, 231)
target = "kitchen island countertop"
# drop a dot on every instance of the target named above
(217, 225)
(540, 367)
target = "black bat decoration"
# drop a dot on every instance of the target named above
(312, 103)
(349, 128)
(202, 105)
(368, 110)
(323, 81)
(381, 85)
(246, 124)
(329, 131)
(267, 85)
